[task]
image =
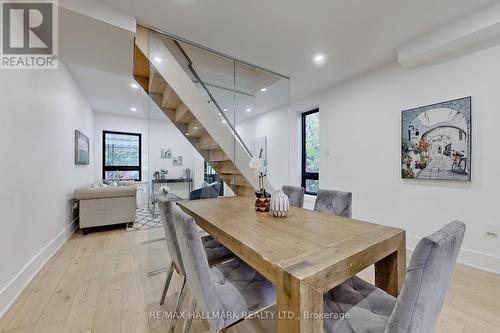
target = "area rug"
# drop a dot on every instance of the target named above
(144, 220)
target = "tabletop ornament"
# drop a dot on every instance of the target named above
(263, 201)
(280, 205)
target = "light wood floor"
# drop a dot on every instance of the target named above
(98, 283)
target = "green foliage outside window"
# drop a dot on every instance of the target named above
(122, 149)
(312, 142)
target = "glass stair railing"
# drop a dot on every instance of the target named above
(233, 93)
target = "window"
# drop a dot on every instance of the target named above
(121, 156)
(310, 151)
(208, 170)
(211, 176)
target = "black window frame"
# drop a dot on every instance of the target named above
(121, 167)
(307, 175)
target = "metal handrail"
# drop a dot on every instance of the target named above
(212, 98)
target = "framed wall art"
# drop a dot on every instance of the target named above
(436, 141)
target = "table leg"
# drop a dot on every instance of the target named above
(390, 271)
(312, 309)
(299, 306)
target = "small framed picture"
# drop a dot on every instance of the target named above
(166, 153)
(82, 149)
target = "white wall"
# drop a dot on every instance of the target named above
(275, 126)
(156, 134)
(360, 149)
(39, 112)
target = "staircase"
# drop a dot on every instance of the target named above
(170, 82)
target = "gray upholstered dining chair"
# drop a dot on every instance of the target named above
(295, 194)
(215, 253)
(208, 192)
(334, 202)
(232, 287)
(417, 308)
(172, 246)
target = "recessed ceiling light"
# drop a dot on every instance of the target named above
(195, 128)
(225, 110)
(319, 59)
(187, 134)
(223, 121)
(248, 110)
(135, 86)
(133, 109)
(220, 114)
(157, 59)
(263, 89)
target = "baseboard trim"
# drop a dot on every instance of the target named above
(15, 287)
(475, 259)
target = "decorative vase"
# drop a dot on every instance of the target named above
(262, 204)
(280, 205)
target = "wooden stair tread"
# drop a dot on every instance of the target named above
(195, 129)
(217, 155)
(207, 143)
(170, 99)
(156, 83)
(235, 179)
(141, 69)
(244, 190)
(232, 171)
(225, 167)
(183, 115)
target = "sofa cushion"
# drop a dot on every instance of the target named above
(87, 192)
(126, 183)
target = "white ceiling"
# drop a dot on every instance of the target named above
(282, 35)
(100, 58)
(92, 43)
(107, 92)
(355, 35)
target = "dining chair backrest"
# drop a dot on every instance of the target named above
(427, 279)
(207, 192)
(334, 202)
(167, 219)
(198, 276)
(295, 195)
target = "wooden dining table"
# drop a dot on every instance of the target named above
(305, 254)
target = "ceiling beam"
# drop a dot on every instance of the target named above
(464, 36)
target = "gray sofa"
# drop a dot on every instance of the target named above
(100, 206)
